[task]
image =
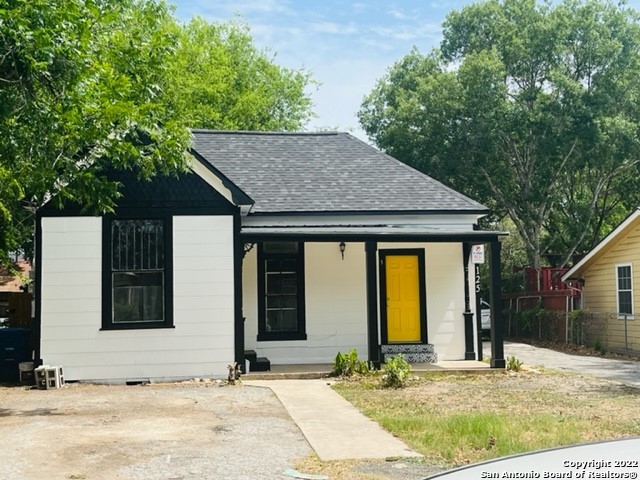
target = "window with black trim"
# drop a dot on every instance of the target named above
(624, 284)
(137, 278)
(281, 313)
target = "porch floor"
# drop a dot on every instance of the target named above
(322, 370)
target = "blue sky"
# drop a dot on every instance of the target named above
(346, 45)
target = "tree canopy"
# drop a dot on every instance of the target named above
(528, 107)
(89, 85)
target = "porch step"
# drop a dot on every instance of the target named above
(257, 364)
(262, 365)
(413, 353)
(250, 355)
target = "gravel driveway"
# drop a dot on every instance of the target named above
(624, 371)
(169, 432)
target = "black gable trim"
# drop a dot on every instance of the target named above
(187, 193)
(167, 191)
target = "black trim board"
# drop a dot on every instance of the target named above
(301, 333)
(107, 286)
(418, 252)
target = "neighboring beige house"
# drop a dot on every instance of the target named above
(610, 277)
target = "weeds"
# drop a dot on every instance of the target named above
(513, 364)
(396, 372)
(348, 364)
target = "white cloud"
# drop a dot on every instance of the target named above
(333, 28)
(399, 14)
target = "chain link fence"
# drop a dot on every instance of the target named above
(603, 331)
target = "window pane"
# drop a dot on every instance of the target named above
(137, 245)
(281, 265)
(624, 301)
(282, 321)
(138, 297)
(274, 284)
(281, 247)
(624, 278)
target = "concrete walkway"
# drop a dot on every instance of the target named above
(334, 428)
(624, 371)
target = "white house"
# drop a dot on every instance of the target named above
(288, 247)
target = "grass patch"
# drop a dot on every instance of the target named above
(464, 419)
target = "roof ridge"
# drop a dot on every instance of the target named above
(262, 132)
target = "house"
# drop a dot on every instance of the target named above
(289, 246)
(608, 275)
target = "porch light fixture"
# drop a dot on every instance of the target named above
(343, 246)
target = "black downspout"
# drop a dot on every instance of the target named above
(497, 339)
(371, 249)
(237, 269)
(469, 353)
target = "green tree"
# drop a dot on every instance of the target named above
(527, 107)
(221, 80)
(80, 91)
(90, 85)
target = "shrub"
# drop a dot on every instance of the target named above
(396, 372)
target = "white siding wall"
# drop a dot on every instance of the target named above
(336, 314)
(201, 344)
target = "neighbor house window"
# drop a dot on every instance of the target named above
(624, 284)
(138, 274)
(281, 291)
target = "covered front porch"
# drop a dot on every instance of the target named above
(323, 370)
(311, 292)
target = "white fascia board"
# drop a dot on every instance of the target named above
(598, 248)
(216, 182)
(203, 172)
(450, 222)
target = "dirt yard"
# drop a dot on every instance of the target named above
(169, 432)
(201, 430)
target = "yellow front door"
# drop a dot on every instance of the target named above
(403, 298)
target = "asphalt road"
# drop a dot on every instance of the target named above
(624, 371)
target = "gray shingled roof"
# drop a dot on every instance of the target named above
(323, 172)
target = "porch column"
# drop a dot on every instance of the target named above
(371, 248)
(497, 339)
(476, 283)
(469, 354)
(238, 327)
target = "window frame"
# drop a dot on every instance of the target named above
(300, 333)
(621, 315)
(107, 274)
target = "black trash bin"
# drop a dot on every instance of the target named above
(14, 349)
